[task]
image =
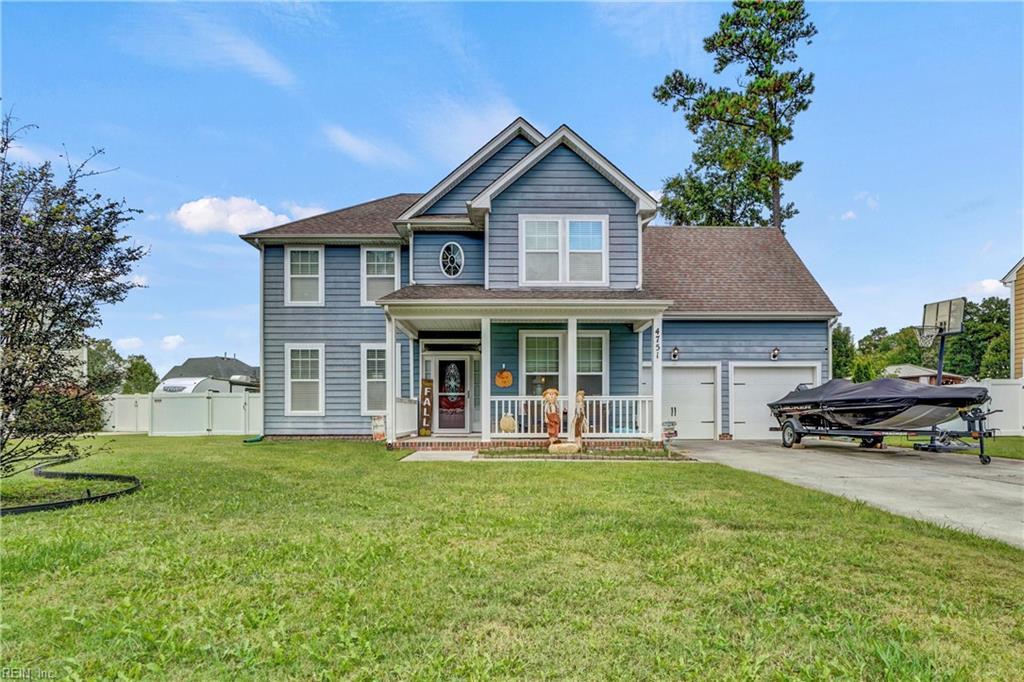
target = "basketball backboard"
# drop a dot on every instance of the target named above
(947, 315)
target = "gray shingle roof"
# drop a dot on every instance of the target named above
(218, 367)
(474, 292)
(369, 218)
(729, 269)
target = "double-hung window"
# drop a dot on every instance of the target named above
(373, 378)
(542, 355)
(304, 275)
(304, 379)
(563, 250)
(591, 362)
(379, 268)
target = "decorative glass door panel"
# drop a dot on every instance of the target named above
(451, 392)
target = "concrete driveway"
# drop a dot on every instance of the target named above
(950, 490)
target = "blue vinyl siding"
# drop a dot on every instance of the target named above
(623, 376)
(454, 202)
(426, 251)
(342, 324)
(562, 183)
(727, 342)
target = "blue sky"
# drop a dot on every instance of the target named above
(913, 146)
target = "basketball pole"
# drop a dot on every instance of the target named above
(938, 375)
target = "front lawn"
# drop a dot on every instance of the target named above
(1000, 446)
(323, 559)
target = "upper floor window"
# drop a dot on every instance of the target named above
(563, 250)
(452, 259)
(380, 273)
(304, 275)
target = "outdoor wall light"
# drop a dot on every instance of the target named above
(675, 353)
(774, 355)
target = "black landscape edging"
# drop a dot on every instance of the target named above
(41, 472)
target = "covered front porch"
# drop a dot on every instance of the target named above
(490, 364)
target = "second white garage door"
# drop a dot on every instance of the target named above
(753, 388)
(689, 400)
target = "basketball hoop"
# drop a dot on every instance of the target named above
(926, 335)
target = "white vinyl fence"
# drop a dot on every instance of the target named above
(1007, 395)
(200, 414)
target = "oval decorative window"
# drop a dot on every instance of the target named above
(452, 259)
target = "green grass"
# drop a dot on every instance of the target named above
(322, 559)
(1000, 446)
(25, 488)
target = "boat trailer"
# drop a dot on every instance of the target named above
(939, 440)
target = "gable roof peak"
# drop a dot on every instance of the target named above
(564, 135)
(519, 127)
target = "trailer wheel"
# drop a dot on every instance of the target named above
(985, 459)
(870, 441)
(789, 435)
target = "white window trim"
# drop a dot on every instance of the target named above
(563, 250)
(440, 259)
(288, 276)
(363, 347)
(563, 352)
(362, 271)
(288, 348)
(605, 337)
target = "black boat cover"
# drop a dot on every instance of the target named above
(884, 390)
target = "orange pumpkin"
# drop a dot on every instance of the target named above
(503, 378)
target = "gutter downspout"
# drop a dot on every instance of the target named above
(831, 324)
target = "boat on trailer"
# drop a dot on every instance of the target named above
(884, 407)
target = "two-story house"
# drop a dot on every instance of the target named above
(531, 265)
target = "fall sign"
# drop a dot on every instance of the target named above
(426, 406)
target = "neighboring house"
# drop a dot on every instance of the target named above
(214, 374)
(1016, 319)
(922, 375)
(532, 265)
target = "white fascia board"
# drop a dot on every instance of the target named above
(645, 203)
(1012, 274)
(392, 239)
(520, 126)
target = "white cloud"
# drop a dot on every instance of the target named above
(27, 154)
(129, 343)
(452, 129)
(234, 215)
(140, 280)
(849, 215)
(191, 38)
(298, 212)
(172, 342)
(155, 316)
(248, 311)
(364, 149)
(870, 200)
(987, 287)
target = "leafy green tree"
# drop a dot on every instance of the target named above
(983, 322)
(843, 352)
(106, 366)
(875, 343)
(995, 363)
(865, 368)
(762, 38)
(725, 184)
(139, 375)
(64, 256)
(903, 348)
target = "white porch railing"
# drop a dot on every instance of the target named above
(607, 416)
(405, 416)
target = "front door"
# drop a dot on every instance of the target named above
(452, 395)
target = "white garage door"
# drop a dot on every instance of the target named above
(688, 398)
(753, 388)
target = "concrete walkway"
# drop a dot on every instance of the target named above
(950, 490)
(440, 456)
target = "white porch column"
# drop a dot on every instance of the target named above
(570, 361)
(656, 344)
(389, 367)
(485, 380)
